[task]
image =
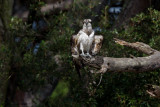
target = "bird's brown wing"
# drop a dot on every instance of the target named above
(97, 44)
(75, 55)
(73, 41)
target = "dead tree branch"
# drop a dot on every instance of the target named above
(135, 64)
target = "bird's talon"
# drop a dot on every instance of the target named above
(88, 55)
(83, 55)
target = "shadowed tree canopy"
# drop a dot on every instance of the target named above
(36, 63)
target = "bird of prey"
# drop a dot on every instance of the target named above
(91, 46)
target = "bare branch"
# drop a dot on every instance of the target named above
(135, 64)
(138, 46)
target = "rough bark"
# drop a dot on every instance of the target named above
(132, 7)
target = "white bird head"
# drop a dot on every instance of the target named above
(87, 26)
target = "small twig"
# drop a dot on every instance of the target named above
(100, 79)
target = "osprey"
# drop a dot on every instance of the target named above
(86, 43)
(85, 38)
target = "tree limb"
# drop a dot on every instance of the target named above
(138, 46)
(136, 64)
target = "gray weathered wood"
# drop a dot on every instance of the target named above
(135, 64)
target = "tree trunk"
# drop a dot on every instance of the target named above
(5, 13)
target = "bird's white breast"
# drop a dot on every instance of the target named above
(85, 40)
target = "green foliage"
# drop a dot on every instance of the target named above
(58, 94)
(4, 58)
(61, 90)
(127, 89)
(4, 69)
(116, 89)
(104, 18)
(33, 69)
